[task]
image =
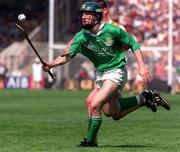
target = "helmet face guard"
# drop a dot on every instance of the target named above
(88, 20)
(93, 13)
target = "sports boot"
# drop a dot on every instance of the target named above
(160, 101)
(86, 143)
(149, 99)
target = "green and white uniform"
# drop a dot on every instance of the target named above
(104, 49)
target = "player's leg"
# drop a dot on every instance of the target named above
(88, 102)
(120, 115)
(108, 109)
(89, 99)
(146, 98)
(119, 76)
(98, 101)
(111, 108)
(127, 105)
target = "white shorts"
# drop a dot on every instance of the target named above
(118, 76)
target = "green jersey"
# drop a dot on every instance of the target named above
(104, 49)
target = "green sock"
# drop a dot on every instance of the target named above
(94, 125)
(89, 123)
(126, 103)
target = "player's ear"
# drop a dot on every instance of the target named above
(105, 10)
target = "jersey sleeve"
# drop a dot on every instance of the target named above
(127, 39)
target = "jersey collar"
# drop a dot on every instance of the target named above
(110, 21)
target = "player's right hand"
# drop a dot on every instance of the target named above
(46, 67)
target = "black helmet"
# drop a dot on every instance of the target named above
(94, 7)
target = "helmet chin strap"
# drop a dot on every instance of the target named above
(89, 26)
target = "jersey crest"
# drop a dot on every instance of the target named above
(109, 41)
(91, 46)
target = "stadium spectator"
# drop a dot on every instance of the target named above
(178, 79)
(111, 75)
(160, 70)
(177, 65)
(3, 70)
(86, 71)
(37, 76)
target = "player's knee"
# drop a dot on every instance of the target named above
(88, 101)
(95, 107)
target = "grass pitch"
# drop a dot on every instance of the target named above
(56, 120)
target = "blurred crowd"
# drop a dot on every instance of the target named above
(147, 19)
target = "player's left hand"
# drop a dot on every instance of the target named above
(144, 73)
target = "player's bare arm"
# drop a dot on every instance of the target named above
(67, 47)
(143, 71)
(60, 60)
